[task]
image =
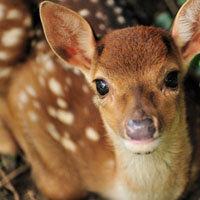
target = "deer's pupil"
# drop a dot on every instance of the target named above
(102, 87)
(171, 80)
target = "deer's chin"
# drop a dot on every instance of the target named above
(142, 146)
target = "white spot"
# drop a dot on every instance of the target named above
(94, 1)
(65, 117)
(102, 27)
(47, 61)
(68, 144)
(53, 131)
(51, 111)
(121, 19)
(110, 2)
(62, 103)
(33, 116)
(38, 32)
(27, 21)
(3, 55)
(36, 104)
(23, 97)
(92, 134)
(85, 89)
(49, 65)
(31, 91)
(77, 71)
(84, 12)
(5, 72)
(95, 100)
(14, 14)
(117, 10)
(98, 35)
(41, 45)
(99, 15)
(2, 11)
(41, 81)
(12, 37)
(55, 86)
(68, 81)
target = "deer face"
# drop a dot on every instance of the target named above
(138, 74)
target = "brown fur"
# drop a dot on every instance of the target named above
(134, 62)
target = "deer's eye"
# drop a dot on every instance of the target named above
(102, 87)
(171, 80)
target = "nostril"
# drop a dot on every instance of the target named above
(140, 129)
(140, 123)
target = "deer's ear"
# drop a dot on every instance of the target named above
(186, 31)
(68, 34)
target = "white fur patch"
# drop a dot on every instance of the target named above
(92, 134)
(14, 14)
(62, 103)
(51, 111)
(3, 55)
(32, 115)
(55, 87)
(53, 131)
(12, 37)
(31, 91)
(36, 104)
(102, 27)
(65, 117)
(23, 97)
(94, 1)
(85, 89)
(27, 21)
(99, 15)
(68, 81)
(95, 100)
(41, 45)
(117, 10)
(110, 2)
(5, 72)
(46, 60)
(84, 12)
(2, 11)
(68, 144)
(77, 71)
(121, 19)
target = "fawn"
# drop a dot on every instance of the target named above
(127, 136)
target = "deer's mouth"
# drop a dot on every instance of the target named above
(142, 146)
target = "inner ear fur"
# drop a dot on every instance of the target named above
(68, 34)
(186, 31)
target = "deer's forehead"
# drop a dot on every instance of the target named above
(134, 50)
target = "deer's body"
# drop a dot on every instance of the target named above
(132, 142)
(153, 176)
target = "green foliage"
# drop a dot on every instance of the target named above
(164, 20)
(181, 2)
(195, 64)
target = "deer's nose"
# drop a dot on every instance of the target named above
(140, 129)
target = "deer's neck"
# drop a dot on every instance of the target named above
(150, 172)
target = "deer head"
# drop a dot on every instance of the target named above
(136, 72)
